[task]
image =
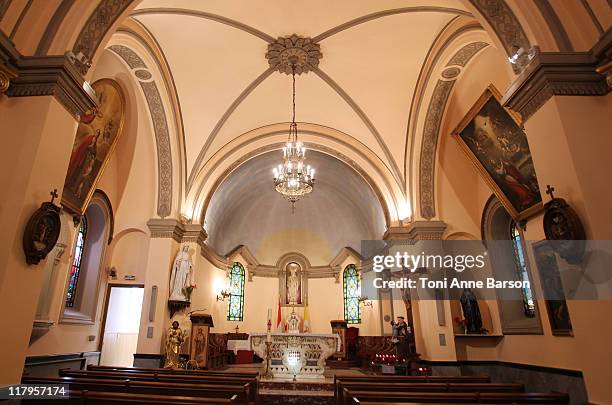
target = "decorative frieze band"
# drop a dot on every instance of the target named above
(27, 76)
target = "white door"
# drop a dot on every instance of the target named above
(121, 327)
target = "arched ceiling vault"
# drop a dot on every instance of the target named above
(246, 210)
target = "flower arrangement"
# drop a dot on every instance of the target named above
(188, 290)
(461, 323)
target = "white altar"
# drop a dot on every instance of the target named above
(296, 355)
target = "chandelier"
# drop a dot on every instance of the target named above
(293, 179)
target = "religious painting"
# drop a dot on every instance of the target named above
(493, 140)
(95, 140)
(198, 348)
(552, 288)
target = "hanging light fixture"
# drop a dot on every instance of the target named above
(293, 178)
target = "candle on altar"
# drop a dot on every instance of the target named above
(269, 314)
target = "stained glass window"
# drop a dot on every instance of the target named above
(75, 268)
(521, 269)
(235, 308)
(352, 292)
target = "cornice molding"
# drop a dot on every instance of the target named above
(561, 74)
(256, 269)
(417, 230)
(29, 76)
(170, 228)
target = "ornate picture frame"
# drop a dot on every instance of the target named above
(42, 232)
(94, 143)
(492, 138)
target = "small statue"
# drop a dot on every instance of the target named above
(174, 340)
(293, 323)
(471, 312)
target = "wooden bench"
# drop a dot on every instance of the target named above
(409, 379)
(251, 374)
(422, 387)
(147, 387)
(77, 397)
(171, 378)
(359, 397)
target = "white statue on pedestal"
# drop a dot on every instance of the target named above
(182, 276)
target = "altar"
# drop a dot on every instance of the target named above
(296, 355)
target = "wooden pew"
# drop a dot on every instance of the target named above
(113, 398)
(422, 387)
(147, 387)
(409, 379)
(164, 377)
(361, 397)
(251, 374)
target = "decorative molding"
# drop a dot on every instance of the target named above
(170, 228)
(293, 51)
(433, 122)
(417, 230)
(505, 24)
(431, 129)
(450, 72)
(256, 269)
(554, 74)
(98, 24)
(164, 154)
(129, 56)
(28, 76)
(160, 127)
(466, 53)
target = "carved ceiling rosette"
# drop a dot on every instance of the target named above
(294, 50)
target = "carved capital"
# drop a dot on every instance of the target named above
(417, 230)
(170, 228)
(561, 74)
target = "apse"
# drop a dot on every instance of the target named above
(246, 210)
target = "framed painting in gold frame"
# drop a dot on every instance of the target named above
(94, 143)
(492, 138)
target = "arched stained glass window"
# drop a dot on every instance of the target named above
(77, 259)
(352, 292)
(521, 269)
(235, 308)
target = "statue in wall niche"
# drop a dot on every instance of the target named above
(181, 279)
(293, 284)
(174, 340)
(471, 312)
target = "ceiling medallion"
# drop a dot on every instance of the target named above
(294, 54)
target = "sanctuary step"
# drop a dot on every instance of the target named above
(277, 392)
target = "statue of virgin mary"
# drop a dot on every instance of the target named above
(182, 275)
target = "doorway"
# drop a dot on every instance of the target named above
(119, 337)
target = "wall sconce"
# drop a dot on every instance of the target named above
(222, 295)
(365, 301)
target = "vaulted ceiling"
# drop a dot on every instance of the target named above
(372, 51)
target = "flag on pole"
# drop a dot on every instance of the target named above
(279, 320)
(306, 319)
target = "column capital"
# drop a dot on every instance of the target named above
(28, 76)
(417, 230)
(170, 228)
(561, 74)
